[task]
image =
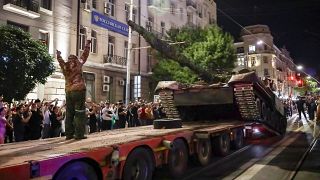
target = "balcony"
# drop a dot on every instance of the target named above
(190, 3)
(27, 8)
(113, 60)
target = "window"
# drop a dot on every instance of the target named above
(82, 38)
(137, 87)
(190, 17)
(240, 61)
(46, 4)
(163, 25)
(253, 61)
(44, 38)
(127, 11)
(240, 50)
(252, 48)
(89, 79)
(109, 7)
(181, 13)
(17, 25)
(111, 46)
(93, 41)
(265, 47)
(265, 59)
(172, 8)
(266, 72)
(94, 4)
(149, 24)
(87, 5)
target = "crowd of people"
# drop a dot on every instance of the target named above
(37, 119)
(310, 103)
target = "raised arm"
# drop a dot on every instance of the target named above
(60, 60)
(85, 53)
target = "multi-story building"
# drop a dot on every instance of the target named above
(104, 22)
(258, 52)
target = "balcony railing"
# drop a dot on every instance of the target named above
(114, 60)
(192, 4)
(26, 4)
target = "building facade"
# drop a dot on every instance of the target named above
(105, 23)
(258, 52)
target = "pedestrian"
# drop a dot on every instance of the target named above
(75, 93)
(106, 123)
(20, 119)
(35, 121)
(300, 106)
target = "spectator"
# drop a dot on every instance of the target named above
(9, 127)
(300, 106)
(46, 131)
(35, 121)
(20, 119)
(106, 123)
(55, 120)
(2, 124)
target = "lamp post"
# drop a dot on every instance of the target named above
(129, 56)
(299, 67)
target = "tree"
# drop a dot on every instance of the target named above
(208, 48)
(24, 62)
(308, 86)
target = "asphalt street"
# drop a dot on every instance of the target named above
(294, 156)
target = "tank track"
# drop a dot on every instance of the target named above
(246, 101)
(166, 97)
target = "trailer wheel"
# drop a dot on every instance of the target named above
(238, 141)
(178, 158)
(76, 170)
(204, 151)
(139, 165)
(221, 144)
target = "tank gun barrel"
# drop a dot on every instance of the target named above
(169, 51)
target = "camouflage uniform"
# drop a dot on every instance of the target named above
(75, 94)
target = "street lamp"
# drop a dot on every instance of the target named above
(299, 67)
(259, 42)
(308, 77)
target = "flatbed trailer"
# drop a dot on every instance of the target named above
(131, 153)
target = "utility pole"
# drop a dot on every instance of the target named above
(129, 56)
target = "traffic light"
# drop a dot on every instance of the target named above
(300, 83)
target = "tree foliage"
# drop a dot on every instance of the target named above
(309, 86)
(208, 48)
(24, 62)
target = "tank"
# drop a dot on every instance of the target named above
(245, 97)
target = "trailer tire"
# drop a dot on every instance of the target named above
(178, 158)
(139, 165)
(76, 170)
(238, 141)
(204, 151)
(221, 145)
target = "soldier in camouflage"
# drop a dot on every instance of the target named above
(75, 93)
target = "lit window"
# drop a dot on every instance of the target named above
(253, 61)
(240, 61)
(93, 41)
(252, 48)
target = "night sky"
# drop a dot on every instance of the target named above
(294, 24)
